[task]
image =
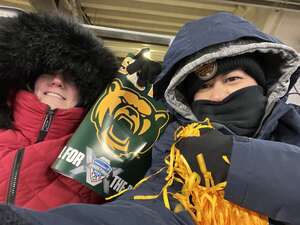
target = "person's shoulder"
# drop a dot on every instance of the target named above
(167, 138)
(296, 107)
(293, 107)
(287, 106)
(170, 130)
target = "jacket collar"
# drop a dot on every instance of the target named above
(283, 124)
(29, 115)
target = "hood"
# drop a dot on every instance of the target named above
(32, 44)
(218, 36)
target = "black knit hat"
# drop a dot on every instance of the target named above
(208, 71)
(33, 44)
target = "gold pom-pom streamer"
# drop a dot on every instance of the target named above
(206, 204)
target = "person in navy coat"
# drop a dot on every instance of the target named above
(224, 68)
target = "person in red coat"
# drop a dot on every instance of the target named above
(51, 72)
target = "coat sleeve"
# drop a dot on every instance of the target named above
(123, 210)
(115, 213)
(264, 176)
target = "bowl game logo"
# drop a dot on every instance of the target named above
(127, 122)
(98, 170)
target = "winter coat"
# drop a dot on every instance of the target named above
(263, 174)
(261, 167)
(28, 151)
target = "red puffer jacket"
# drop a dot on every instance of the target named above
(26, 178)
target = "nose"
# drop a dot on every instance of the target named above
(218, 92)
(57, 81)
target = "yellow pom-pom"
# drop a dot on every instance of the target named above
(206, 204)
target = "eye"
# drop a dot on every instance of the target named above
(71, 83)
(206, 85)
(46, 76)
(69, 79)
(232, 79)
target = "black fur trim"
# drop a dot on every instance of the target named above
(5, 117)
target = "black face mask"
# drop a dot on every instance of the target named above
(241, 111)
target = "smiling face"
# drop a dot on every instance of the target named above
(223, 85)
(56, 91)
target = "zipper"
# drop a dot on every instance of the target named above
(46, 124)
(13, 181)
(14, 177)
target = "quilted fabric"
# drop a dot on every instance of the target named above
(39, 187)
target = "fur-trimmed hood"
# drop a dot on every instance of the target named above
(32, 44)
(218, 36)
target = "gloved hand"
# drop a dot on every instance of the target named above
(146, 69)
(213, 144)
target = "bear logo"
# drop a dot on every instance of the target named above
(126, 122)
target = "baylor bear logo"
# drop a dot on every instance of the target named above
(127, 122)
